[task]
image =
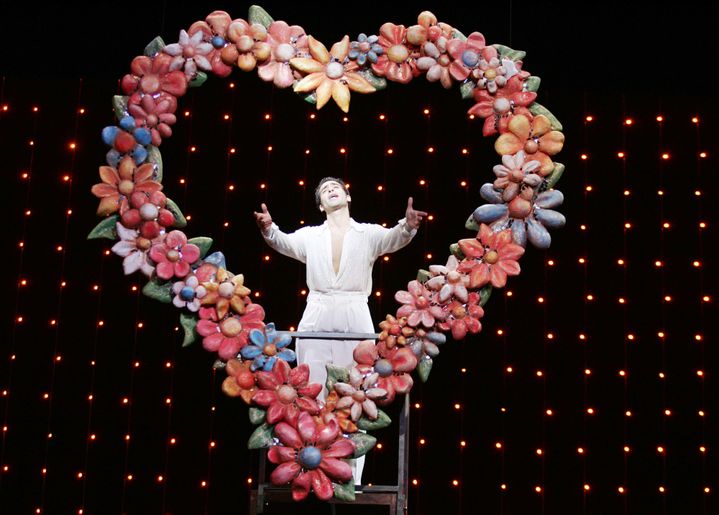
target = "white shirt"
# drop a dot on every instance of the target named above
(362, 245)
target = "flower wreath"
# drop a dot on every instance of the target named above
(310, 439)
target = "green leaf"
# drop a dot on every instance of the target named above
(336, 374)
(456, 251)
(472, 224)
(159, 291)
(345, 491)
(509, 53)
(378, 83)
(484, 294)
(258, 15)
(532, 83)
(424, 368)
(553, 178)
(467, 89)
(423, 276)
(203, 242)
(119, 104)
(261, 437)
(366, 424)
(198, 81)
(188, 321)
(154, 47)
(310, 98)
(363, 443)
(257, 415)
(537, 109)
(154, 157)
(180, 220)
(105, 229)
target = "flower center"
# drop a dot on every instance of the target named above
(443, 60)
(310, 458)
(270, 349)
(335, 70)
(459, 312)
(490, 74)
(143, 243)
(149, 211)
(421, 303)
(359, 396)
(231, 327)
(383, 367)
(365, 47)
(286, 394)
(491, 257)
(188, 51)
(151, 120)
(173, 255)
(226, 290)
(284, 52)
(453, 277)
(126, 187)
(519, 208)
(245, 43)
(398, 53)
(470, 58)
(150, 83)
(187, 294)
(246, 379)
(502, 105)
(516, 175)
(531, 146)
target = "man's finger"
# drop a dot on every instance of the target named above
(409, 203)
(264, 208)
(421, 213)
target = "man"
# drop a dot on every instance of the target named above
(339, 255)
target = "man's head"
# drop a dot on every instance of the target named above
(331, 192)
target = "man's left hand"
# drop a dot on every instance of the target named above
(413, 217)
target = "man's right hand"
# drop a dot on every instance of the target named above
(263, 219)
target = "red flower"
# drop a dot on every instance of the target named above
(229, 335)
(397, 62)
(393, 366)
(118, 185)
(148, 214)
(499, 108)
(152, 75)
(490, 257)
(286, 392)
(174, 256)
(154, 113)
(308, 455)
(463, 318)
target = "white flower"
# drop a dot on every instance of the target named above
(189, 53)
(359, 395)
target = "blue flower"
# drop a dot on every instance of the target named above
(266, 348)
(366, 48)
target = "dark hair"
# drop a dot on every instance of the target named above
(329, 179)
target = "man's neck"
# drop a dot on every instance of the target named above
(339, 218)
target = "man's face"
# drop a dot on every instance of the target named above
(332, 196)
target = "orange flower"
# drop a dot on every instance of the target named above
(535, 137)
(328, 76)
(117, 185)
(228, 291)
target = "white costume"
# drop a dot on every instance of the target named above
(337, 302)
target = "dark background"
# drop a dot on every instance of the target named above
(612, 61)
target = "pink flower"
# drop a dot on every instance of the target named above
(308, 455)
(134, 248)
(286, 392)
(516, 175)
(148, 213)
(359, 394)
(463, 318)
(153, 75)
(189, 54)
(419, 306)
(393, 366)
(214, 30)
(499, 109)
(436, 62)
(448, 281)
(118, 185)
(174, 256)
(228, 335)
(397, 62)
(534, 136)
(287, 42)
(490, 257)
(465, 55)
(155, 113)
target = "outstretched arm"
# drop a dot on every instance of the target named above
(291, 245)
(391, 240)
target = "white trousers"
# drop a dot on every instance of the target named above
(342, 312)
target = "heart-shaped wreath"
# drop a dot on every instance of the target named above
(308, 438)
